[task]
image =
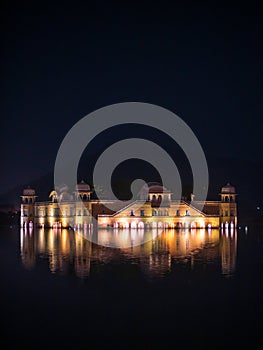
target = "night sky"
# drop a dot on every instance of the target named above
(60, 62)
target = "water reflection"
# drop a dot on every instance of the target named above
(67, 251)
(228, 248)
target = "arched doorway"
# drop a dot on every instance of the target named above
(193, 224)
(125, 225)
(133, 224)
(141, 225)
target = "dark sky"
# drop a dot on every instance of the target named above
(60, 62)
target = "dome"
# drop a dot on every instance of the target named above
(29, 192)
(152, 187)
(156, 187)
(82, 187)
(228, 188)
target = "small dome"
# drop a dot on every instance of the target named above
(228, 188)
(65, 197)
(63, 188)
(29, 192)
(53, 194)
(82, 187)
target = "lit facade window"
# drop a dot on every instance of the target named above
(131, 213)
(142, 212)
(177, 212)
(187, 212)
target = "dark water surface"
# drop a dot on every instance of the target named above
(181, 288)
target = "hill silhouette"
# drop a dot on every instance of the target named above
(245, 175)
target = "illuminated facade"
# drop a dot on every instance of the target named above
(156, 210)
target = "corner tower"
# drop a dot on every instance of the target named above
(28, 207)
(228, 206)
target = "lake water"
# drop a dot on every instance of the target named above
(181, 287)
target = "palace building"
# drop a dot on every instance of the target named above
(78, 210)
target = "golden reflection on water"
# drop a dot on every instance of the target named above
(65, 249)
